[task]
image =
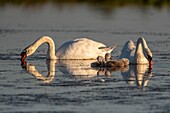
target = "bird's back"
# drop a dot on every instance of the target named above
(81, 48)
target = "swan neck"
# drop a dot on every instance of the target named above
(51, 46)
(143, 42)
(141, 53)
(141, 45)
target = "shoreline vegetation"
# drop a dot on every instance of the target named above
(95, 3)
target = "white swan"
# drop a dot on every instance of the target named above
(81, 48)
(139, 54)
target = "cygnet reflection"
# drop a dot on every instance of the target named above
(137, 74)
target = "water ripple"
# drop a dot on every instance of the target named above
(14, 31)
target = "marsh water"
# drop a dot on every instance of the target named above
(71, 86)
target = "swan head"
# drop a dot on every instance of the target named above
(27, 52)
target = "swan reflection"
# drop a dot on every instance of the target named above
(82, 69)
(77, 68)
(137, 73)
(30, 68)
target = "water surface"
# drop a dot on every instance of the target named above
(73, 86)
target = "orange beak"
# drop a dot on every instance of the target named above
(150, 62)
(23, 56)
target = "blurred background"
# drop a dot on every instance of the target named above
(107, 21)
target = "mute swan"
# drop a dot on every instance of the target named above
(81, 48)
(139, 54)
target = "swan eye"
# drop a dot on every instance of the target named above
(28, 50)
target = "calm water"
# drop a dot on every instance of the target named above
(73, 86)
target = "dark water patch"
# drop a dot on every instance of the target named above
(67, 30)
(158, 89)
(25, 87)
(40, 111)
(164, 54)
(14, 56)
(14, 31)
(142, 33)
(17, 100)
(78, 31)
(161, 75)
(9, 31)
(31, 99)
(115, 88)
(21, 81)
(111, 97)
(117, 95)
(85, 83)
(166, 58)
(9, 56)
(6, 85)
(163, 98)
(155, 108)
(161, 43)
(2, 71)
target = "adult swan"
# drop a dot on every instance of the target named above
(81, 48)
(139, 54)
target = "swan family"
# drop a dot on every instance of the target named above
(87, 49)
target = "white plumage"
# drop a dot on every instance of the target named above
(139, 54)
